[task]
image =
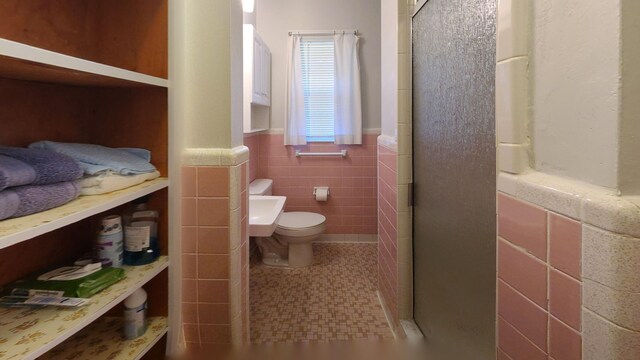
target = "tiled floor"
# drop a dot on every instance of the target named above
(334, 299)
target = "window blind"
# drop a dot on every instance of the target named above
(318, 74)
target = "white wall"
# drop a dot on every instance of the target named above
(574, 73)
(275, 18)
(389, 67)
(210, 73)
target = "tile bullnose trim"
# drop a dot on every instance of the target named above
(388, 141)
(603, 339)
(215, 156)
(235, 156)
(610, 212)
(598, 206)
(611, 259)
(280, 131)
(619, 307)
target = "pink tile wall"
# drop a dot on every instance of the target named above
(252, 141)
(387, 229)
(539, 283)
(206, 255)
(352, 205)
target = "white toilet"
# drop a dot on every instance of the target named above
(290, 244)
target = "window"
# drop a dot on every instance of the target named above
(323, 90)
(318, 79)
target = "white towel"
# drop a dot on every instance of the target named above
(110, 182)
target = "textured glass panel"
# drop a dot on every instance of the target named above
(454, 170)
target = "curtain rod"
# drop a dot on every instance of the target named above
(320, 33)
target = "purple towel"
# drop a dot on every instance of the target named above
(50, 167)
(9, 204)
(33, 199)
(14, 172)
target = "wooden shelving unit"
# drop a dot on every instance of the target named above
(14, 231)
(24, 62)
(27, 333)
(84, 71)
(102, 340)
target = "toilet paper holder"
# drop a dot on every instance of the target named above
(320, 188)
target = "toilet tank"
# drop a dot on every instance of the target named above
(261, 187)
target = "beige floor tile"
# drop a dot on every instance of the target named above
(334, 299)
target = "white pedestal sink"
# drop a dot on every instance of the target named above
(264, 212)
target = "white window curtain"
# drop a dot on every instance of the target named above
(346, 106)
(348, 103)
(294, 123)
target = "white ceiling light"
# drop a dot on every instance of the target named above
(247, 5)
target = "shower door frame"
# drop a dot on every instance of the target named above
(413, 329)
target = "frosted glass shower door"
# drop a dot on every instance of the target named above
(454, 164)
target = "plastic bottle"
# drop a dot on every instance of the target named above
(141, 235)
(109, 245)
(135, 314)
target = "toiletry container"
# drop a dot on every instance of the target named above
(109, 245)
(141, 235)
(135, 314)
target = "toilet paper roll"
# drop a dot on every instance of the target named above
(110, 225)
(322, 194)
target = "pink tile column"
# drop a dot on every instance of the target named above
(244, 253)
(387, 230)
(539, 283)
(213, 197)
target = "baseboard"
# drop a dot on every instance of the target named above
(348, 238)
(387, 315)
(411, 331)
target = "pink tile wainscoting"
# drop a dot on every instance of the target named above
(214, 301)
(352, 204)
(523, 225)
(252, 141)
(387, 229)
(539, 286)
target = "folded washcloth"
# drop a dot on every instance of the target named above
(49, 166)
(96, 159)
(9, 204)
(36, 198)
(110, 182)
(14, 172)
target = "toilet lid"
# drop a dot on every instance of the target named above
(297, 220)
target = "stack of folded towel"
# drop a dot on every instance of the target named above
(105, 169)
(34, 180)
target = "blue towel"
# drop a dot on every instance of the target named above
(96, 159)
(9, 204)
(14, 172)
(36, 198)
(50, 167)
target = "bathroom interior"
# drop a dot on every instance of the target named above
(206, 176)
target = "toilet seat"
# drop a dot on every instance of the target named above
(300, 220)
(298, 223)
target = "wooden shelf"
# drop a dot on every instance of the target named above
(24, 62)
(26, 333)
(102, 340)
(13, 231)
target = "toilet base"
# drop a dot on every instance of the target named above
(275, 261)
(277, 252)
(300, 255)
